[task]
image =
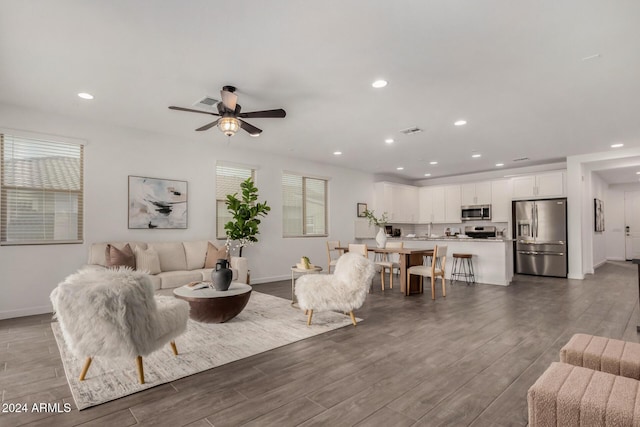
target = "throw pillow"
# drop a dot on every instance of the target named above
(120, 258)
(214, 254)
(147, 260)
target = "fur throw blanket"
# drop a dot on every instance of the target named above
(114, 313)
(343, 291)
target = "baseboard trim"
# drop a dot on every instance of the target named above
(599, 264)
(30, 311)
(269, 279)
(616, 259)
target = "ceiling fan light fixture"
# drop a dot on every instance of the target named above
(229, 125)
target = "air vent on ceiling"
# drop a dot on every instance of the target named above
(207, 102)
(521, 159)
(411, 131)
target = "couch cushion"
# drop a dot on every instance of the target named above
(196, 252)
(119, 257)
(172, 279)
(147, 260)
(155, 281)
(97, 251)
(214, 254)
(171, 254)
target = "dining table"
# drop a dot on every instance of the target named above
(408, 258)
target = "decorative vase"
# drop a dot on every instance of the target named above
(381, 238)
(222, 276)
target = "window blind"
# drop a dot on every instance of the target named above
(228, 180)
(41, 191)
(304, 206)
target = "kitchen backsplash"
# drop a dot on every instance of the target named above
(438, 229)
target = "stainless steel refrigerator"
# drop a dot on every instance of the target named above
(540, 232)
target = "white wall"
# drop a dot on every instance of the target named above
(614, 223)
(29, 273)
(599, 190)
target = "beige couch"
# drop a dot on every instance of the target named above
(180, 262)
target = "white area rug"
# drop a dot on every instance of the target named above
(267, 322)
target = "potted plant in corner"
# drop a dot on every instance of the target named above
(381, 237)
(246, 211)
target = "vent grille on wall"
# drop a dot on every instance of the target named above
(411, 131)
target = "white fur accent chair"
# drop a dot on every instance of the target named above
(114, 313)
(345, 290)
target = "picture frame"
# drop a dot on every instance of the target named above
(157, 203)
(598, 215)
(361, 208)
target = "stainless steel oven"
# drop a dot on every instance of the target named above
(476, 212)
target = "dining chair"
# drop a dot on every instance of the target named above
(359, 249)
(332, 251)
(387, 263)
(437, 269)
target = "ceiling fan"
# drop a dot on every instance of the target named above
(230, 120)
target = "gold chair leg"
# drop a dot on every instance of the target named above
(174, 348)
(140, 369)
(87, 363)
(391, 278)
(353, 318)
(382, 277)
(309, 318)
(444, 286)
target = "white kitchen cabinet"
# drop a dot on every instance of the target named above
(452, 203)
(501, 200)
(476, 193)
(541, 185)
(399, 201)
(431, 205)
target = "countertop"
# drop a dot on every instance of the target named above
(445, 238)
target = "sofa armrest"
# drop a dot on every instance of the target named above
(242, 265)
(95, 267)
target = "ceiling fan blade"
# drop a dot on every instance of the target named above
(208, 126)
(279, 113)
(229, 99)
(253, 131)
(192, 111)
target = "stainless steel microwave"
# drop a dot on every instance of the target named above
(476, 212)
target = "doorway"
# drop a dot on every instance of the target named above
(632, 224)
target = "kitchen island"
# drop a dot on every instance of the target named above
(492, 258)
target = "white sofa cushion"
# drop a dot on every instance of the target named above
(172, 279)
(171, 254)
(147, 260)
(196, 252)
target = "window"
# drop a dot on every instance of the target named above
(41, 191)
(228, 180)
(304, 206)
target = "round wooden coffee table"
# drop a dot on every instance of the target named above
(211, 306)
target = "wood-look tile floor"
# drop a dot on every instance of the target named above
(467, 359)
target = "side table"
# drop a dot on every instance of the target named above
(300, 272)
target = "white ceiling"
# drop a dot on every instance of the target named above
(512, 69)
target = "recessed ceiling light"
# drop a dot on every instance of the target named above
(587, 58)
(499, 164)
(460, 123)
(637, 173)
(85, 95)
(400, 168)
(433, 163)
(427, 174)
(389, 141)
(617, 145)
(337, 153)
(255, 135)
(379, 84)
(475, 156)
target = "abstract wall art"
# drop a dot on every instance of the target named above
(157, 203)
(598, 208)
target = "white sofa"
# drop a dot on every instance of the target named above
(180, 262)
